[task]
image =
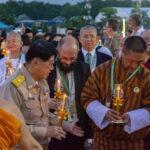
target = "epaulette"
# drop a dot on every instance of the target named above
(18, 80)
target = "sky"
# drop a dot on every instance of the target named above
(61, 2)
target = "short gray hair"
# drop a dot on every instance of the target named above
(17, 35)
(88, 27)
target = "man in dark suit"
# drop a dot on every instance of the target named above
(90, 52)
(73, 74)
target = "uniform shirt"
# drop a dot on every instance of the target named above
(15, 63)
(33, 100)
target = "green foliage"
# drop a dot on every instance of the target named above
(38, 10)
(108, 12)
(76, 22)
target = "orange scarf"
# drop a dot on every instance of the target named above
(9, 130)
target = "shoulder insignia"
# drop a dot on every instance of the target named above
(18, 80)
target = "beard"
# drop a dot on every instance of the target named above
(64, 67)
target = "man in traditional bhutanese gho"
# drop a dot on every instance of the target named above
(131, 98)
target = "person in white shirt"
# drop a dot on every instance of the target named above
(13, 45)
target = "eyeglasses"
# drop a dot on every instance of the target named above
(89, 37)
(68, 59)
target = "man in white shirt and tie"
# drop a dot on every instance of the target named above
(89, 52)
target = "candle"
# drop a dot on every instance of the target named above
(124, 27)
(58, 86)
(63, 101)
(118, 91)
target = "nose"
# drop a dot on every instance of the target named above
(51, 68)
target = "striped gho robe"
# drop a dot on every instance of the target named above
(113, 137)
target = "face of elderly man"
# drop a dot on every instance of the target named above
(88, 39)
(14, 43)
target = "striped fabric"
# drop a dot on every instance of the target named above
(113, 137)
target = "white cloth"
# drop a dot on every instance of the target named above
(105, 51)
(139, 32)
(139, 119)
(15, 65)
(97, 112)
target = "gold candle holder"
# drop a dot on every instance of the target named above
(3, 47)
(9, 68)
(62, 113)
(118, 100)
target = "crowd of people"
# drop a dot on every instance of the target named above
(88, 66)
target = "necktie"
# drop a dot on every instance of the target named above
(89, 59)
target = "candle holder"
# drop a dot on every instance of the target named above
(9, 68)
(118, 101)
(62, 113)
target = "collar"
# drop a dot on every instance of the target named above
(92, 52)
(139, 31)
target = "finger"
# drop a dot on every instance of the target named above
(114, 115)
(76, 127)
(114, 112)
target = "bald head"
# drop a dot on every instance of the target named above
(69, 42)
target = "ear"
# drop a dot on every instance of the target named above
(79, 37)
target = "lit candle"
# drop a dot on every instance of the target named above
(118, 91)
(124, 27)
(58, 86)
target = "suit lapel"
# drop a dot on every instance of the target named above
(80, 56)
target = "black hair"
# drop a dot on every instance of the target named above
(27, 30)
(41, 49)
(134, 44)
(69, 28)
(136, 18)
(26, 40)
(113, 23)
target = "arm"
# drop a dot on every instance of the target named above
(26, 142)
(91, 100)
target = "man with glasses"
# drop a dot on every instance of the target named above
(72, 74)
(89, 52)
(124, 127)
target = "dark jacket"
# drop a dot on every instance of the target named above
(101, 57)
(81, 73)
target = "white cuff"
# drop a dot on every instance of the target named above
(139, 119)
(97, 112)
